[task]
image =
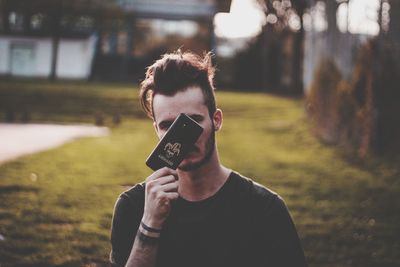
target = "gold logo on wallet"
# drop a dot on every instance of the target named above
(172, 149)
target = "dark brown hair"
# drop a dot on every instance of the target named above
(176, 72)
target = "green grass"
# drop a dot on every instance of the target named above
(56, 206)
(66, 102)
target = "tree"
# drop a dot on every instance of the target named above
(287, 16)
(361, 106)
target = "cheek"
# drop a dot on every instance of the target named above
(205, 135)
(161, 133)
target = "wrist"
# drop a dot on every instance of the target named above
(152, 223)
(149, 231)
(149, 228)
(147, 239)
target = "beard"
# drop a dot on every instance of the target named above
(210, 147)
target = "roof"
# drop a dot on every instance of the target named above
(175, 9)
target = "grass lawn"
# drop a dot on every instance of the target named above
(56, 206)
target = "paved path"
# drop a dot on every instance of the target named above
(21, 139)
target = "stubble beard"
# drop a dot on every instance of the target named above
(210, 147)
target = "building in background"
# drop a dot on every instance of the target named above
(151, 28)
(50, 39)
(40, 39)
(31, 56)
(101, 40)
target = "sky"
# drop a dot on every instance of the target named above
(246, 18)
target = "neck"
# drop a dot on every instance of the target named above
(203, 182)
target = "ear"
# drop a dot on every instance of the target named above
(217, 118)
(156, 128)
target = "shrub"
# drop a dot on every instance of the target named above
(321, 101)
(363, 113)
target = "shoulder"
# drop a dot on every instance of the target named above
(132, 197)
(129, 207)
(126, 218)
(253, 188)
(135, 191)
(257, 194)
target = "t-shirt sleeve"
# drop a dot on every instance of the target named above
(283, 241)
(124, 226)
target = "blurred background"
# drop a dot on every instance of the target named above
(309, 89)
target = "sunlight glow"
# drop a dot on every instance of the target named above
(356, 17)
(359, 17)
(245, 19)
(316, 18)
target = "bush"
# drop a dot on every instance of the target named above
(360, 114)
(322, 101)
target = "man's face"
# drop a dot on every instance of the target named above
(190, 102)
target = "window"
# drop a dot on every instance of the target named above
(158, 36)
(16, 21)
(37, 21)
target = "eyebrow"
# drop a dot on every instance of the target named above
(166, 123)
(196, 117)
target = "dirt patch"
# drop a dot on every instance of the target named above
(21, 139)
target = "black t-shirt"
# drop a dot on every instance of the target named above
(243, 224)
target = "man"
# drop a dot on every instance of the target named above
(202, 214)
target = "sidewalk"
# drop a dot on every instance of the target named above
(21, 139)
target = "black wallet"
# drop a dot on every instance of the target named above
(177, 142)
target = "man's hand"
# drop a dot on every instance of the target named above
(161, 189)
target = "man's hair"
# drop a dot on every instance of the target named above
(176, 72)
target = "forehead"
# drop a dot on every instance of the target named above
(190, 101)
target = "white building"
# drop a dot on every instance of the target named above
(32, 57)
(130, 34)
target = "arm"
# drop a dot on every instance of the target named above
(144, 250)
(285, 246)
(161, 189)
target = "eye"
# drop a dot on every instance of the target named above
(197, 118)
(164, 125)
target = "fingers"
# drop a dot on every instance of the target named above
(161, 181)
(165, 197)
(161, 173)
(161, 177)
(161, 189)
(171, 187)
(172, 195)
(157, 190)
(157, 187)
